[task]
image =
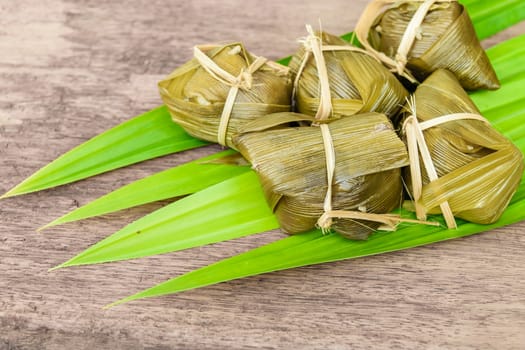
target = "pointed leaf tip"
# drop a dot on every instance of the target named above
(68, 263)
(189, 222)
(42, 228)
(55, 268)
(149, 135)
(9, 193)
(175, 182)
(155, 291)
(123, 300)
(113, 304)
(16, 190)
(55, 222)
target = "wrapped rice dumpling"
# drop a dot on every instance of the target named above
(292, 164)
(223, 87)
(416, 37)
(353, 81)
(460, 165)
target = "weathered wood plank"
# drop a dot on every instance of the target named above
(72, 69)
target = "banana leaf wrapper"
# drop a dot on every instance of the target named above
(358, 82)
(196, 99)
(291, 166)
(445, 39)
(478, 169)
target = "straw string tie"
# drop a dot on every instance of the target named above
(243, 81)
(417, 147)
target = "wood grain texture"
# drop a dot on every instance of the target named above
(72, 69)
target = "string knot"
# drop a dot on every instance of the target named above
(418, 152)
(412, 33)
(401, 62)
(243, 81)
(313, 45)
(312, 41)
(325, 222)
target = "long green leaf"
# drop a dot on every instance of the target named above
(190, 222)
(147, 136)
(491, 17)
(313, 248)
(214, 204)
(179, 181)
(149, 190)
(153, 134)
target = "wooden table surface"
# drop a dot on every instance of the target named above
(72, 69)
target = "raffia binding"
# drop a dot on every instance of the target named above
(388, 221)
(314, 46)
(242, 81)
(416, 145)
(412, 32)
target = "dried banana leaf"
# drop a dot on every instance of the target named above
(358, 83)
(444, 39)
(478, 169)
(291, 164)
(196, 95)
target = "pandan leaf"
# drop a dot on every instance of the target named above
(152, 134)
(147, 136)
(214, 206)
(179, 181)
(190, 222)
(491, 17)
(313, 248)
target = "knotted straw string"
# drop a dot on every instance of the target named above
(242, 81)
(314, 46)
(416, 145)
(325, 221)
(413, 31)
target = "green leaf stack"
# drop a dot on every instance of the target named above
(232, 198)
